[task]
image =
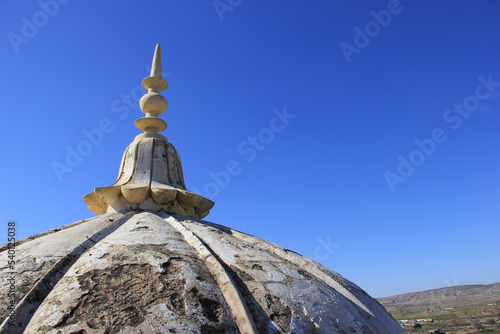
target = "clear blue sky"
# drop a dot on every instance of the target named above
(383, 165)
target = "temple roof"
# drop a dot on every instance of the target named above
(148, 263)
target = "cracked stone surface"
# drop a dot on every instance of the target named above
(156, 273)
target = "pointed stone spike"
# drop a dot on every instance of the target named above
(156, 66)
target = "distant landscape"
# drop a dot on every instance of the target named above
(458, 309)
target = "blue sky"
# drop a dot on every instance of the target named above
(365, 133)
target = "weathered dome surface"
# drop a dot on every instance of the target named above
(144, 272)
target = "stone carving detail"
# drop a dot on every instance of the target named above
(150, 176)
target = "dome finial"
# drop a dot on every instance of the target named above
(152, 103)
(150, 176)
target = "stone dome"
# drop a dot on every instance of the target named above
(144, 272)
(148, 263)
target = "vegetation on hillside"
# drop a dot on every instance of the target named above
(464, 309)
(459, 320)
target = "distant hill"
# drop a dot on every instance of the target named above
(453, 296)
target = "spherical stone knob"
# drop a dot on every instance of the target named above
(153, 103)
